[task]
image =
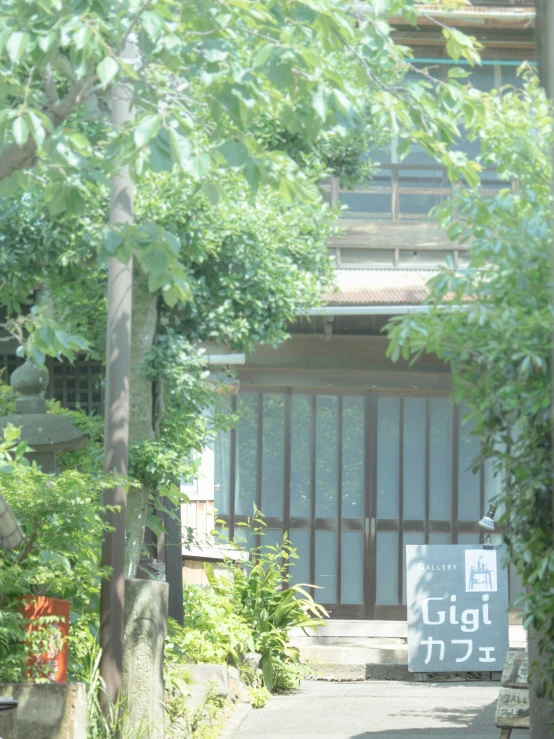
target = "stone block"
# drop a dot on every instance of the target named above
(253, 660)
(516, 670)
(146, 603)
(239, 691)
(208, 680)
(216, 676)
(45, 711)
(337, 672)
(512, 708)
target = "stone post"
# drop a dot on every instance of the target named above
(146, 603)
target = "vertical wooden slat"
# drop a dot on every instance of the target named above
(50, 368)
(339, 496)
(64, 384)
(210, 518)
(259, 455)
(370, 535)
(313, 489)
(401, 502)
(233, 472)
(481, 500)
(497, 76)
(455, 466)
(395, 193)
(287, 461)
(427, 469)
(89, 387)
(335, 191)
(174, 561)
(201, 522)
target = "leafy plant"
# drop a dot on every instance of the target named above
(258, 696)
(261, 591)
(62, 518)
(42, 642)
(181, 719)
(213, 631)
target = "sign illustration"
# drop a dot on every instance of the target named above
(481, 570)
(457, 599)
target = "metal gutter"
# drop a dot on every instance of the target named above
(464, 62)
(366, 310)
(477, 14)
(497, 15)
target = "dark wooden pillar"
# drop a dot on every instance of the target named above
(174, 561)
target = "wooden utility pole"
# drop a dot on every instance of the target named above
(541, 711)
(116, 444)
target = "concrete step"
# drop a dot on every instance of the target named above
(366, 650)
(347, 663)
(337, 632)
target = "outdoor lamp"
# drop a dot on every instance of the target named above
(11, 534)
(487, 522)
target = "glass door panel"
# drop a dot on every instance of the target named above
(353, 479)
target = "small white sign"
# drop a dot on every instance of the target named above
(481, 571)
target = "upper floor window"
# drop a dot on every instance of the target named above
(409, 189)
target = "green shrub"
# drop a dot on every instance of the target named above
(288, 670)
(212, 631)
(261, 592)
(258, 696)
(62, 518)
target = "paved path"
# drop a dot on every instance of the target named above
(379, 710)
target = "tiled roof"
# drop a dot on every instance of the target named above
(380, 286)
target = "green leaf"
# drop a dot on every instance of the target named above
(235, 153)
(181, 149)
(404, 148)
(267, 671)
(172, 241)
(111, 240)
(170, 297)
(458, 73)
(153, 24)
(107, 70)
(17, 45)
(37, 128)
(146, 130)
(20, 130)
(79, 141)
(262, 55)
(200, 165)
(154, 260)
(11, 433)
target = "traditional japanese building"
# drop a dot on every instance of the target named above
(354, 456)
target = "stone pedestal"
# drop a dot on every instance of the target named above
(48, 711)
(146, 603)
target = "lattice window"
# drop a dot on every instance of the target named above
(76, 386)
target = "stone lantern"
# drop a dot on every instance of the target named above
(46, 434)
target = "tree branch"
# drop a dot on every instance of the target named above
(50, 86)
(15, 158)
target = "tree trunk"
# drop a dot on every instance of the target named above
(141, 425)
(541, 711)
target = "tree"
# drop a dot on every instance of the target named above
(233, 101)
(492, 323)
